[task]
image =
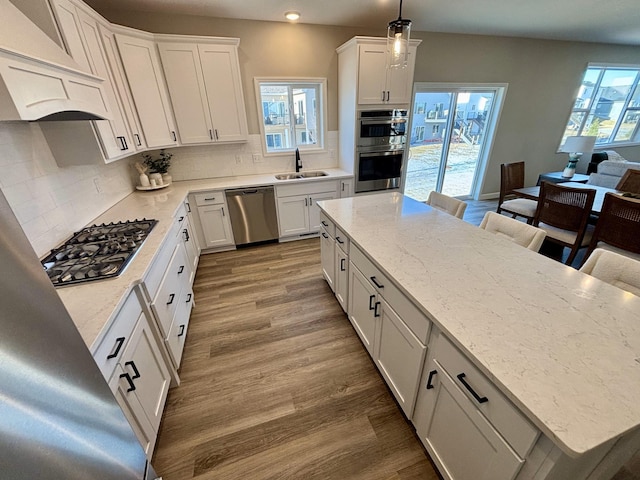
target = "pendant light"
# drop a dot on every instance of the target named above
(398, 41)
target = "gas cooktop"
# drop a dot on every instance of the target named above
(96, 252)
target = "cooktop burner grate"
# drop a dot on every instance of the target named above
(96, 252)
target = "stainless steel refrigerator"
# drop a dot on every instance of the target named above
(58, 417)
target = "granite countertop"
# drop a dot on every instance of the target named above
(92, 305)
(562, 345)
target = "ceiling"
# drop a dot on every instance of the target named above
(602, 21)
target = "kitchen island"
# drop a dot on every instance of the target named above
(563, 348)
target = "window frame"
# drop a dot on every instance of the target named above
(590, 111)
(292, 82)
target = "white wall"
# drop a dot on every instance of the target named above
(51, 202)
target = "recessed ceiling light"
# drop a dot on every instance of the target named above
(292, 16)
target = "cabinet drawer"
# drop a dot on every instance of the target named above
(417, 322)
(369, 270)
(328, 225)
(501, 413)
(342, 241)
(109, 350)
(178, 332)
(159, 266)
(180, 218)
(307, 188)
(209, 198)
(168, 296)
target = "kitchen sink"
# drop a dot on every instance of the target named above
(288, 176)
(292, 176)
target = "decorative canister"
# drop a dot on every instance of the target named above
(157, 177)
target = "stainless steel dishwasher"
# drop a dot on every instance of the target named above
(253, 214)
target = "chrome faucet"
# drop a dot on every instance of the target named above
(298, 161)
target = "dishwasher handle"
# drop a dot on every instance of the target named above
(248, 191)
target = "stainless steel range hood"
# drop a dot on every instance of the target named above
(38, 80)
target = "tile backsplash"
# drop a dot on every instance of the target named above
(52, 202)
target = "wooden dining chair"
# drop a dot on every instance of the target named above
(617, 270)
(563, 213)
(514, 230)
(618, 226)
(447, 204)
(511, 178)
(630, 181)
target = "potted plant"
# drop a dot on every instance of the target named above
(159, 166)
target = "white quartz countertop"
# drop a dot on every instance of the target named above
(563, 346)
(92, 305)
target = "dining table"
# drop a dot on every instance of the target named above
(533, 193)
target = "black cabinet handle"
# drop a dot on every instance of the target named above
(173, 134)
(216, 130)
(211, 134)
(171, 297)
(383, 95)
(118, 345)
(181, 219)
(132, 387)
(375, 282)
(375, 310)
(181, 331)
(306, 202)
(186, 235)
(430, 379)
(138, 139)
(222, 211)
(339, 241)
(324, 223)
(371, 298)
(210, 199)
(188, 298)
(133, 367)
(181, 269)
(324, 235)
(478, 398)
(188, 206)
(342, 269)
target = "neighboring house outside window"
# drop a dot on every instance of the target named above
(290, 115)
(607, 106)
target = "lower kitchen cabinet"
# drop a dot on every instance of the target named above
(213, 219)
(141, 382)
(341, 269)
(327, 257)
(298, 212)
(363, 310)
(459, 410)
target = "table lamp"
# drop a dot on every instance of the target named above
(576, 147)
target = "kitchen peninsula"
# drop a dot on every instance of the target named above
(536, 360)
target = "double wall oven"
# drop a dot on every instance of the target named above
(380, 149)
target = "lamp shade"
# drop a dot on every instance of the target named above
(578, 145)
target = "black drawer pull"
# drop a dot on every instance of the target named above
(186, 235)
(181, 331)
(211, 199)
(324, 223)
(324, 235)
(430, 379)
(375, 310)
(342, 261)
(181, 219)
(375, 282)
(371, 298)
(478, 398)
(173, 134)
(181, 269)
(118, 344)
(188, 206)
(171, 297)
(138, 139)
(339, 241)
(132, 387)
(133, 367)
(188, 298)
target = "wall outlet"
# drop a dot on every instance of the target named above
(238, 159)
(98, 183)
(257, 158)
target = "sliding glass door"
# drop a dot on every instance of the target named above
(450, 136)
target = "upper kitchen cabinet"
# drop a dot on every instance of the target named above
(203, 77)
(82, 31)
(145, 79)
(362, 69)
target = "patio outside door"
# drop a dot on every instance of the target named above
(451, 129)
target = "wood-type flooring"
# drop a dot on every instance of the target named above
(276, 383)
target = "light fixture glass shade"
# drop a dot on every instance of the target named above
(398, 35)
(576, 147)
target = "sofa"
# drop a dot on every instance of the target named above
(610, 171)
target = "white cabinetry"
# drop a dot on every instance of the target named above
(298, 212)
(205, 88)
(214, 219)
(460, 410)
(334, 254)
(392, 329)
(131, 361)
(145, 79)
(346, 187)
